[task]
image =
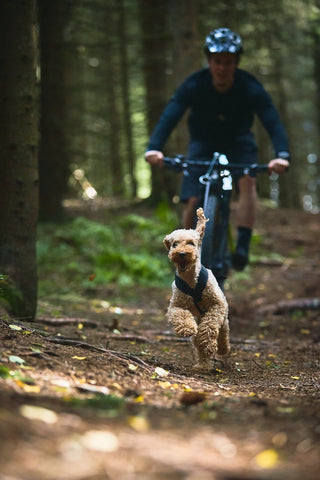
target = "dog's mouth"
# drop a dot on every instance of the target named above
(182, 264)
(182, 269)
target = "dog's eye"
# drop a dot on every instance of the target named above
(190, 242)
(175, 244)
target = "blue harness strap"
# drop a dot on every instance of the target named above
(195, 293)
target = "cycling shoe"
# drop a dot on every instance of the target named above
(240, 259)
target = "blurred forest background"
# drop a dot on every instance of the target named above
(84, 82)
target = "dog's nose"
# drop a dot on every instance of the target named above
(182, 254)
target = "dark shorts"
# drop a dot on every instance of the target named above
(191, 187)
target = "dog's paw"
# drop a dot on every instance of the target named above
(183, 322)
(186, 330)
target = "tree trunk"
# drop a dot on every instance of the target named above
(18, 151)
(125, 87)
(54, 107)
(316, 59)
(113, 105)
(154, 26)
(186, 58)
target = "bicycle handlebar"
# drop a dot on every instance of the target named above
(180, 163)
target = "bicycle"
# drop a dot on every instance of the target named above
(217, 190)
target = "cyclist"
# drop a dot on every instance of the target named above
(222, 100)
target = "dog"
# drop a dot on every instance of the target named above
(198, 307)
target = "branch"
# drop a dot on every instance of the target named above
(131, 338)
(67, 321)
(120, 356)
(288, 305)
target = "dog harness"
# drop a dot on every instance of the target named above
(195, 293)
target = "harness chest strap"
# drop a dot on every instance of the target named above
(195, 293)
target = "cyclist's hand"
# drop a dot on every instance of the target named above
(278, 165)
(154, 157)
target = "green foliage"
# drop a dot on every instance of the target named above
(83, 254)
(6, 372)
(10, 295)
(111, 405)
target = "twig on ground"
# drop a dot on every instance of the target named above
(130, 338)
(67, 321)
(76, 343)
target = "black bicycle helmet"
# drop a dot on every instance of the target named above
(223, 40)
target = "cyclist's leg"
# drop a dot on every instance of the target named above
(246, 208)
(189, 212)
(190, 196)
(245, 220)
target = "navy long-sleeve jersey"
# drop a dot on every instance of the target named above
(221, 121)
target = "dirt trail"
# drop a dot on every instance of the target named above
(120, 401)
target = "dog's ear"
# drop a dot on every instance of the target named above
(201, 223)
(167, 242)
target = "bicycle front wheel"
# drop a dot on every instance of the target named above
(214, 253)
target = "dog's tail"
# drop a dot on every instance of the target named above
(201, 223)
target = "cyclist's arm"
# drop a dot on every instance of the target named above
(270, 118)
(169, 118)
(278, 165)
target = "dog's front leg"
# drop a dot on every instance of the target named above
(182, 321)
(207, 337)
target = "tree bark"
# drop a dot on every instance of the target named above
(155, 41)
(18, 154)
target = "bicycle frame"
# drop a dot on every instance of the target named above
(217, 182)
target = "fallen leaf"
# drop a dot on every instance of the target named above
(133, 368)
(93, 389)
(100, 441)
(140, 424)
(15, 327)
(79, 358)
(139, 399)
(165, 384)
(28, 388)
(15, 359)
(267, 458)
(117, 386)
(285, 409)
(39, 413)
(161, 372)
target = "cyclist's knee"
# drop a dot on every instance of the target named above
(189, 215)
(247, 187)
(193, 202)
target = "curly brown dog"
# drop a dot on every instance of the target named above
(198, 307)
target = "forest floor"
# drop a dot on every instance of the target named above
(107, 392)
